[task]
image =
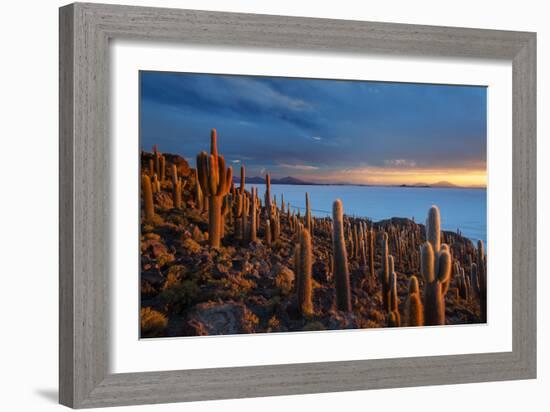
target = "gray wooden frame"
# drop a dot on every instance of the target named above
(85, 31)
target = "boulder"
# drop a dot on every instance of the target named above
(214, 318)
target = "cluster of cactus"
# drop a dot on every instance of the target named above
(303, 260)
(254, 203)
(238, 206)
(213, 192)
(160, 164)
(215, 181)
(435, 267)
(177, 188)
(462, 282)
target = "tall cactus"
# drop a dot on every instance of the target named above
(433, 235)
(434, 300)
(303, 263)
(267, 232)
(244, 217)
(215, 181)
(253, 222)
(384, 273)
(237, 213)
(479, 279)
(267, 196)
(414, 311)
(341, 271)
(176, 188)
(308, 223)
(276, 226)
(243, 175)
(162, 168)
(147, 191)
(372, 233)
(435, 265)
(394, 302)
(226, 207)
(199, 198)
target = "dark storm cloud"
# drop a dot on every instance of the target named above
(315, 126)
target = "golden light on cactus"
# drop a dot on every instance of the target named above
(215, 181)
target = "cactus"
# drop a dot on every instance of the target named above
(147, 192)
(303, 263)
(267, 196)
(253, 222)
(276, 226)
(434, 300)
(308, 214)
(433, 235)
(479, 280)
(435, 265)
(363, 251)
(414, 312)
(176, 188)
(461, 283)
(243, 175)
(226, 207)
(393, 320)
(215, 181)
(341, 272)
(385, 271)
(156, 156)
(244, 217)
(433, 228)
(162, 168)
(267, 232)
(394, 302)
(199, 199)
(237, 213)
(371, 251)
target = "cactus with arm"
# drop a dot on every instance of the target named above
(215, 181)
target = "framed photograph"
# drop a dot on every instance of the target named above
(257, 205)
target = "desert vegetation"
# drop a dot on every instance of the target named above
(217, 259)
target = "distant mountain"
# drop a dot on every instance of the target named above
(289, 180)
(443, 184)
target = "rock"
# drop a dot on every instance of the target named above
(151, 236)
(180, 162)
(154, 278)
(213, 318)
(198, 236)
(191, 246)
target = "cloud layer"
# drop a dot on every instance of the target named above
(317, 129)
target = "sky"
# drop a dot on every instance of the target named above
(318, 130)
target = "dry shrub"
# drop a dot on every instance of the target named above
(153, 323)
(180, 295)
